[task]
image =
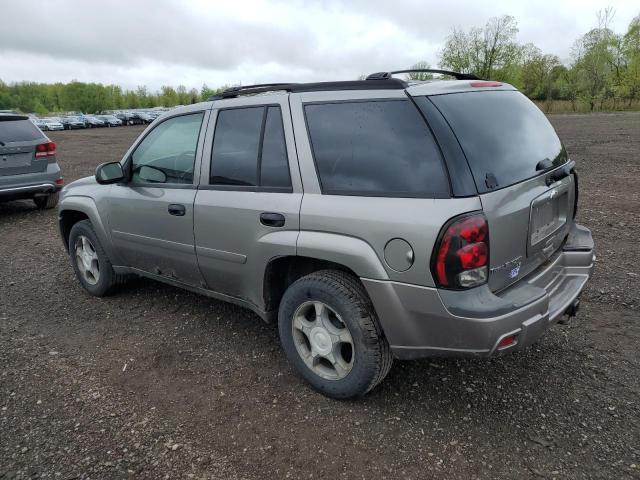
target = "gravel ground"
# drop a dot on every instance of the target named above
(156, 382)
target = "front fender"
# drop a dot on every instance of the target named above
(87, 206)
(351, 252)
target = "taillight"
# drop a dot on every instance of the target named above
(484, 83)
(576, 192)
(461, 258)
(47, 149)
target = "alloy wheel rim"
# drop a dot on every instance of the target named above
(87, 260)
(322, 340)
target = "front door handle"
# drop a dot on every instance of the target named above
(177, 209)
(271, 219)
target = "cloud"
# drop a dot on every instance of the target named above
(174, 42)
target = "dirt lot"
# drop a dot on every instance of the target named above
(160, 383)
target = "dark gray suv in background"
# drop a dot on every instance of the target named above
(28, 166)
(373, 219)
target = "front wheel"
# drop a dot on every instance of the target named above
(90, 262)
(330, 333)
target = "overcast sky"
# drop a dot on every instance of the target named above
(165, 42)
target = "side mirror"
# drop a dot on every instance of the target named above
(152, 174)
(111, 172)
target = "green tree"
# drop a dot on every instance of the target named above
(593, 59)
(537, 72)
(420, 75)
(489, 52)
(631, 50)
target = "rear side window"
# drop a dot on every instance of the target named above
(274, 166)
(249, 148)
(376, 148)
(19, 131)
(503, 135)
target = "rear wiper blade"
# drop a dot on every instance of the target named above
(544, 165)
(559, 174)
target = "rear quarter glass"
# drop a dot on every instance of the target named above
(503, 135)
(375, 148)
(19, 131)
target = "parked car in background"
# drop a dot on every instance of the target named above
(73, 122)
(28, 166)
(155, 113)
(53, 124)
(110, 120)
(92, 121)
(144, 118)
(38, 122)
(128, 118)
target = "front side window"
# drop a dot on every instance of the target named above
(249, 148)
(375, 148)
(167, 154)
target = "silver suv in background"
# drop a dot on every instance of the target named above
(373, 219)
(28, 166)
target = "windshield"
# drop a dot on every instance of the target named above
(503, 134)
(18, 131)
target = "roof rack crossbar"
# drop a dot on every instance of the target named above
(456, 75)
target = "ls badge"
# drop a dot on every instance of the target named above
(512, 267)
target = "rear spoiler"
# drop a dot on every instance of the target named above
(4, 117)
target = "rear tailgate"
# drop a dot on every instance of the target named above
(18, 140)
(528, 223)
(512, 151)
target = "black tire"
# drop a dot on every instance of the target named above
(109, 280)
(344, 294)
(46, 202)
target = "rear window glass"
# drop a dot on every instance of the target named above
(249, 148)
(503, 134)
(19, 131)
(236, 144)
(376, 148)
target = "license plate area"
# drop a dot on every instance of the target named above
(549, 214)
(15, 160)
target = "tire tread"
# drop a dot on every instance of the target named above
(375, 341)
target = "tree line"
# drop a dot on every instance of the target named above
(603, 73)
(42, 98)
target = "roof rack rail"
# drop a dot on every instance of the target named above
(382, 84)
(233, 92)
(456, 75)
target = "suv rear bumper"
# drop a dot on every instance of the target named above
(27, 185)
(425, 321)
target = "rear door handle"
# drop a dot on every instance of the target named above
(271, 219)
(177, 209)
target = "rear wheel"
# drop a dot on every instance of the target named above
(90, 262)
(330, 333)
(47, 201)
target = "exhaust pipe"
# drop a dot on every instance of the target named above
(572, 310)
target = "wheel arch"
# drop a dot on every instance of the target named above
(74, 209)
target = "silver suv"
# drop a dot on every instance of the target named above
(374, 219)
(28, 165)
